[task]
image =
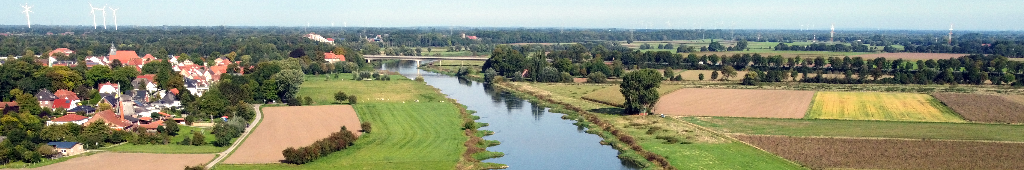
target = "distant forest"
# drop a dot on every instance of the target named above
(276, 42)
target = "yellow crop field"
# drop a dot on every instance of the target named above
(880, 106)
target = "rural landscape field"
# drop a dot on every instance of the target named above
(534, 85)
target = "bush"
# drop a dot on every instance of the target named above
(566, 77)
(352, 99)
(186, 141)
(307, 100)
(335, 142)
(198, 139)
(419, 79)
(597, 77)
(700, 76)
(294, 102)
(197, 167)
(340, 96)
(366, 127)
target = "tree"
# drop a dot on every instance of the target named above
(597, 77)
(198, 139)
(94, 133)
(352, 99)
(288, 82)
(714, 75)
(1009, 78)
(505, 60)
(700, 76)
(640, 89)
(669, 73)
(728, 72)
(340, 96)
(715, 46)
(489, 75)
(171, 128)
(269, 90)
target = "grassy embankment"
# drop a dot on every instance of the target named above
(173, 147)
(880, 106)
(406, 134)
(612, 96)
(684, 145)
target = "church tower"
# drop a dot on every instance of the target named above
(113, 50)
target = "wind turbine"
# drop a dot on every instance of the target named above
(92, 10)
(833, 34)
(104, 9)
(28, 9)
(950, 42)
(114, 10)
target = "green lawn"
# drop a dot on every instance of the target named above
(571, 90)
(860, 128)
(173, 147)
(730, 155)
(405, 136)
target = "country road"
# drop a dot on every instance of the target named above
(248, 130)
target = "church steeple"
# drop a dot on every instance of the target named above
(113, 50)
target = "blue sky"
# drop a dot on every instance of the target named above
(655, 14)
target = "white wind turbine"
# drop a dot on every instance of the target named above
(28, 9)
(114, 10)
(104, 9)
(92, 10)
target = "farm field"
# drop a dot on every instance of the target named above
(129, 161)
(612, 96)
(735, 103)
(880, 106)
(295, 126)
(862, 128)
(984, 108)
(322, 92)
(405, 136)
(822, 153)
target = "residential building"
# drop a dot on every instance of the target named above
(113, 120)
(69, 118)
(332, 58)
(45, 98)
(66, 99)
(67, 148)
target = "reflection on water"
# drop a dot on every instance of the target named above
(530, 136)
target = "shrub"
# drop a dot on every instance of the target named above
(294, 102)
(335, 142)
(186, 141)
(366, 127)
(419, 79)
(597, 77)
(340, 96)
(307, 100)
(198, 139)
(352, 99)
(700, 76)
(197, 167)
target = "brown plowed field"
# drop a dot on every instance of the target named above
(821, 153)
(131, 161)
(735, 103)
(296, 126)
(911, 56)
(984, 108)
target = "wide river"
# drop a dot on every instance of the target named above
(530, 136)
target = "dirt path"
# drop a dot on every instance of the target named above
(248, 130)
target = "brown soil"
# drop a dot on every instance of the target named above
(983, 108)
(822, 153)
(284, 127)
(911, 56)
(130, 161)
(735, 103)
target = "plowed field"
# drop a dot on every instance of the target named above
(822, 153)
(284, 127)
(129, 161)
(984, 108)
(735, 103)
(880, 106)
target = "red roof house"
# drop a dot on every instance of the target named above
(124, 56)
(331, 57)
(70, 118)
(66, 51)
(64, 94)
(113, 120)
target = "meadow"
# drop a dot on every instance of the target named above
(173, 147)
(612, 96)
(321, 89)
(880, 106)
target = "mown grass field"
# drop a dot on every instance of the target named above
(173, 147)
(861, 128)
(571, 90)
(410, 135)
(707, 151)
(612, 95)
(399, 89)
(880, 106)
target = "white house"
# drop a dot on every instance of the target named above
(70, 118)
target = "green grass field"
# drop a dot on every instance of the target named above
(399, 89)
(861, 128)
(173, 147)
(571, 90)
(880, 106)
(612, 95)
(410, 135)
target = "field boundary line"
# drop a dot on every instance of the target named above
(248, 130)
(879, 138)
(725, 135)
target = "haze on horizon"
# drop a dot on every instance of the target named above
(994, 15)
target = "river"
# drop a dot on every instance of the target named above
(530, 136)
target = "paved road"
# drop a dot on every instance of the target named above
(248, 130)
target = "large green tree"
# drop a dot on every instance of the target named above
(288, 82)
(640, 88)
(505, 60)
